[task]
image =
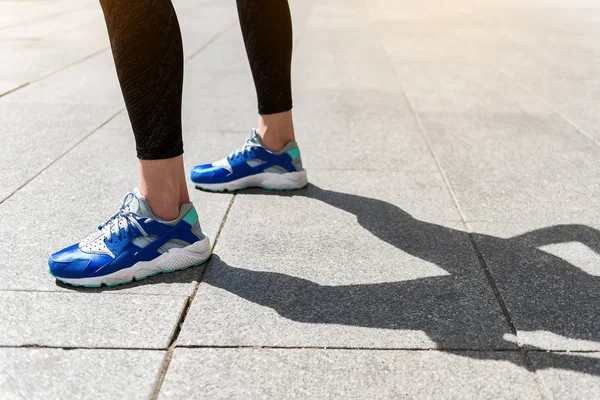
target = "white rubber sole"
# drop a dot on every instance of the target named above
(173, 260)
(265, 180)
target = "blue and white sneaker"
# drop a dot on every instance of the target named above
(132, 245)
(253, 166)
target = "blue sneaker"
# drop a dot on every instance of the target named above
(253, 166)
(132, 245)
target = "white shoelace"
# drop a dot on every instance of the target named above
(246, 147)
(122, 219)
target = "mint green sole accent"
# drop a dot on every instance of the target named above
(191, 217)
(294, 153)
(131, 281)
(249, 187)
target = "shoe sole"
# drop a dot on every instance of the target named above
(266, 180)
(174, 260)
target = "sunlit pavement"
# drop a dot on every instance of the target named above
(448, 245)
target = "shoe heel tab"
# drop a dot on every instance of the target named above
(191, 217)
(294, 153)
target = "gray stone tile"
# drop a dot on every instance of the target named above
(569, 375)
(518, 167)
(30, 61)
(350, 56)
(506, 98)
(437, 77)
(58, 23)
(78, 374)
(348, 114)
(92, 81)
(358, 131)
(36, 134)
(569, 60)
(6, 85)
(88, 320)
(210, 104)
(357, 270)
(347, 374)
(349, 59)
(218, 93)
(577, 100)
(70, 199)
(548, 276)
(200, 21)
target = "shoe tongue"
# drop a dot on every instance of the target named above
(139, 206)
(255, 138)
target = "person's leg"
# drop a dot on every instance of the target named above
(155, 230)
(148, 54)
(163, 184)
(267, 31)
(270, 158)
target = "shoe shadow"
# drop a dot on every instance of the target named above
(542, 292)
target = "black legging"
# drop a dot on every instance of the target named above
(148, 52)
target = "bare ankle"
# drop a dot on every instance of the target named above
(276, 130)
(165, 209)
(163, 184)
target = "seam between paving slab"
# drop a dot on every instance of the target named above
(333, 348)
(173, 343)
(551, 107)
(542, 388)
(194, 54)
(61, 155)
(169, 355)
(67, 66)
(527, 89)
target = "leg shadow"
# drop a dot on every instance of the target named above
(542, 292)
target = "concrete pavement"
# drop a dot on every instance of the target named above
(448, 245)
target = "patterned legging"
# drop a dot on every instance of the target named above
(148, 53)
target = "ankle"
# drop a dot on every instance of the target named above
(163, 184)
(276, 130)
(162, 205)
(274, 144)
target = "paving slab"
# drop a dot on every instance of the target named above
(88, 320)
(354, 271)
(62, 22)
(357, 130)
(450, 76)
(83, 194)
(577, 100)
(36, 134)
(347, 374)
(77, 85)
(507, 98)
(200, 21)
(29, 61)
(569, 375)
(78, 374)
(9, 85)
(19, 13)
(518, 167)
(548, 277)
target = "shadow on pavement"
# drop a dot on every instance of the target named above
(542, 292)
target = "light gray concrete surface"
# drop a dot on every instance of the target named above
(83, 374)
(362, 272)
(345, 374)
(569, 375)
(453, 151)
(548, 278)
(88, 320)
